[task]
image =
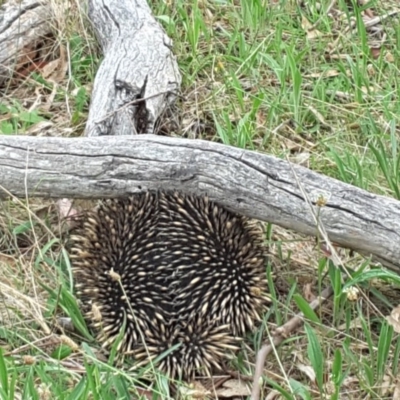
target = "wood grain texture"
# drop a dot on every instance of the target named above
(22, 25)
(139, 76)
(257, 185)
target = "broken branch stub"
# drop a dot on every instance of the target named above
(139, 76)
(253, 184)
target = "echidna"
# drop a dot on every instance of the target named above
(176, 270)
(198, 346)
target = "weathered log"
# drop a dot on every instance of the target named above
(139, 77)
(253, 184)
(23, 25)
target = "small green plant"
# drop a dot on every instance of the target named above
(8, 379)
(81, 104)
(15, 119)
(316, 356)
(389, 159)
(337, 374)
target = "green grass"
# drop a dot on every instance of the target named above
(255, 78)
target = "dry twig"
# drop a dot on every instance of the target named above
(280, 334)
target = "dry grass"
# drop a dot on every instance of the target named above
(255, 76)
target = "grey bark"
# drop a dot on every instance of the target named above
(257, 185)
(139, 77)
(22, 25)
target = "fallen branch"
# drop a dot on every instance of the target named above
(139, 77)
(253, 184)
(23, 27)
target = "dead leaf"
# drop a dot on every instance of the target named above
(311, 32)
(27, 54)
(7, 260)
(394, 319)
(371, 70)
(326, 250)
(308, 371)
(232, 388)
(329, 387)
(49, 102)
(40, 127)
(273, 395)
(318, 116)
(55, 70)
(261, 118)
(65, 208)
(324, 74)
(301, 158)
(350, 381)
(396, 393)
(307, 293)
(194, 391)
(389, 57)
(375, 52)
(354, 324)
(148, 394)
(386, 386)
(49, 68)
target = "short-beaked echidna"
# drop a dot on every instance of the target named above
(176, 269)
